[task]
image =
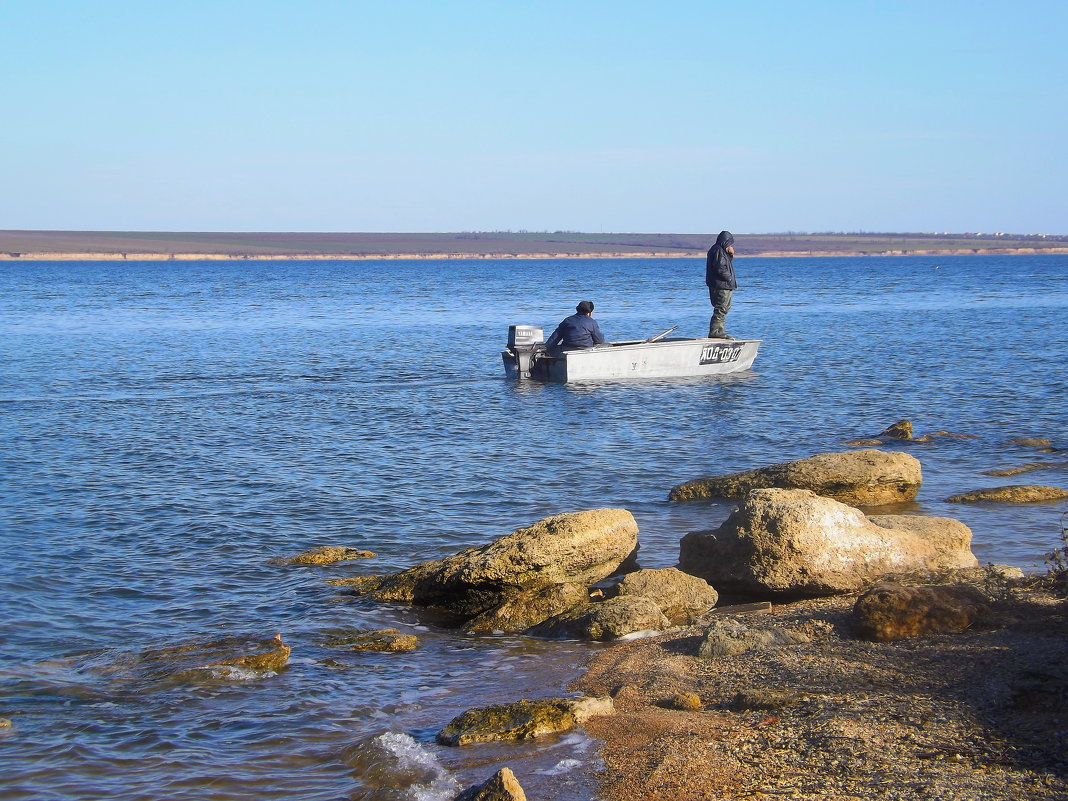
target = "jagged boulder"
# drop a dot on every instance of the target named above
(860, 478)
(793, 544)
(580, 548)
(890, 611)
(607, 620)
(530, 607)
(522, 720)
(501, 786)
(680, 596)
(1016, 493)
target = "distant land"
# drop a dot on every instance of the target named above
(165, 245)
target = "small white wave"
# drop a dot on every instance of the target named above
(235, 673)
(412, 756)
(561, 767)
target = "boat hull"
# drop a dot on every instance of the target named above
(669, 358)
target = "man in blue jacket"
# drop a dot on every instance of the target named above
(719, 277)
(579, 330)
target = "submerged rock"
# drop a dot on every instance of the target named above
(793, 544)
(1031, 442)
(376, 640)
(680, 596)
(522, 720)
(889, 611)
(581, 548)
(861, 478)
(327, 555)
(607, 620)
(1027, 467)
(502, 786)
(226, 658)
(1020, 493)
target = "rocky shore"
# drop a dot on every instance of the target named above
(802, 649)
(977, 714)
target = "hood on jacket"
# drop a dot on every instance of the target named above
(725, 239)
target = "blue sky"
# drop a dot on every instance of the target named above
(664, 116)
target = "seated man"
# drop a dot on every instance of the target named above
(578, 331)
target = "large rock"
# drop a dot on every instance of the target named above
(502, 786)
(530, 608)
(522, 720)
(859, 478)
(794, 544)
(680, 596)
(893, 612)
(607, 620)
(580, 547)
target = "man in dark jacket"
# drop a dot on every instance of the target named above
(719, 276)
(579, 330)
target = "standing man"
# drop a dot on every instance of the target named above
(719, 276)
(578, 331)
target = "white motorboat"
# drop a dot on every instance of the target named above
(660, 356)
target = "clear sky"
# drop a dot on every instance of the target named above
(661, 116)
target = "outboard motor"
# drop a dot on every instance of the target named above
(525, 342)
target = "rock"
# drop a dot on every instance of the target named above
(892, 612)
(730, 638)
(764, 700)
(789, 544)
(861, 478)
(582, 548)
(327, 555)
(902, 429)
(502, 786)
(1031, 442)
(522, 720)
(680, 596)
(684, 702)
(1019, 493)
(933, 435)
(377, 640)
(1016, 470)
(226, 658)
(531, 607)
(607, 620)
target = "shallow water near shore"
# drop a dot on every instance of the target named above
(172, 428)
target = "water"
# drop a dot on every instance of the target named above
(170, 428)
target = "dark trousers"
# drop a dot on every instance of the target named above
(721, 304)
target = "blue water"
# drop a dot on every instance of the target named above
(170, 428)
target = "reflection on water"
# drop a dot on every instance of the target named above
(172, 429)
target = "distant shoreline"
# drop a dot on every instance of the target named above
(54, 256)
(16, 245)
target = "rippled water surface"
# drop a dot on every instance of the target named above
(170, 428)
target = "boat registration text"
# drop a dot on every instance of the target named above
(721, 353)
